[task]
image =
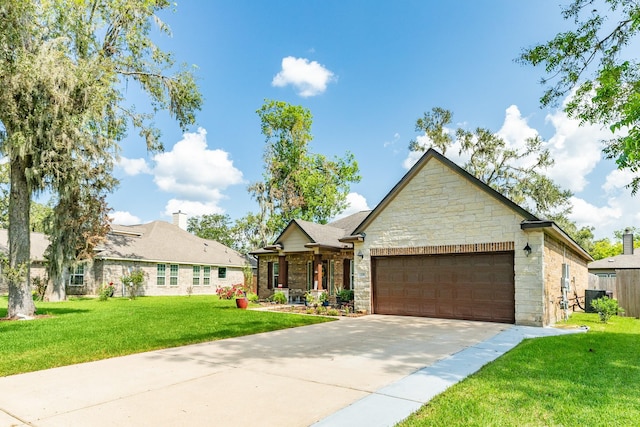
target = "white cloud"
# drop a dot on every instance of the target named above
(618, 180)
(134, 167)
(124, 218)
(309, 78)
(425, 142)
(191, 208)
(193, 172)
(515, 129)
(356, 203)
(576, 150)
(396, 138)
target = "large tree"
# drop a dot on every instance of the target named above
(517, 173)
(596, 63)
(297, 183)
(213, 227)
(65, 66)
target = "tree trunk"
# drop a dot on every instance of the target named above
(20, 295)
(56, 290)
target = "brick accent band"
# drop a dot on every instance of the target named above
(445, 249)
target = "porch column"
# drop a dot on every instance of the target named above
(317, 268)
(284, 274)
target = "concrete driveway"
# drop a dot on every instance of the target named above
(292, 377)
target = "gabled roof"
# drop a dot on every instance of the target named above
(428, 156)
(319, 235)
(159, 241)
(39, 244)
(530, 221)
(616, 262)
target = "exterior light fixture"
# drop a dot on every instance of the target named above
(527, 249)
(360, 254)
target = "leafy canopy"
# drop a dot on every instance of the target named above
(596, 62)
(65, 67)
(297, 183)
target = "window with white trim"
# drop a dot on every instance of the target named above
(196, 275)
(160, 274)
(76, 275)
(206, 275)
(173, 278)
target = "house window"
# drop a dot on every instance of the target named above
(76, 276)
(160, 275)
(196, 275)
(222, 272)
(351, 265)
(276, 274)
(309, 275)
(173, 279)
(206, 275)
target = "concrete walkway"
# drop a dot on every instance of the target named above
(356, 371)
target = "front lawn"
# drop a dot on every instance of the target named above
(590, 379)
(82, 330)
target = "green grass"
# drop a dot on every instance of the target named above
(590, 379)
(82, 330)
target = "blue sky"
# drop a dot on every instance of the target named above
(366, 71)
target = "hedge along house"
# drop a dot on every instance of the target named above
(308, 257)
(444, 244)
(174, 261)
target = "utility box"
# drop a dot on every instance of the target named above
(592, 295)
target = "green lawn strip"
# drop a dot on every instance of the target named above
(574, 380)
(82, 330)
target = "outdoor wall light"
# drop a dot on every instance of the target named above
(527, 249)
(360, 254)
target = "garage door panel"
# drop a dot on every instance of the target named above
(460, 286)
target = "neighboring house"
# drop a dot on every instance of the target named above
(607, 267)
(619, 277)
(174, 261)
(440, 244)
(39, 243)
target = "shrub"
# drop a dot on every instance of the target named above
(40, 287)
(606, 307)
(333, 312)
(346, 295)
(280, 298)
(106, 291)
(133, 283)
(252, 297)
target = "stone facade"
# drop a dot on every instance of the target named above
(438, 207)
(105, 271)
(299, 280)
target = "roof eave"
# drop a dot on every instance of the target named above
(552, 229)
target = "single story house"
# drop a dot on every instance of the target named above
(440, 244)
(174, 261)
(627, 260)
(39, 244)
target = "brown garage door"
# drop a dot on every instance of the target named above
(461, 286)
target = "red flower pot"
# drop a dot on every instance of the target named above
(242, 303)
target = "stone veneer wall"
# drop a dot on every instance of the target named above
(555, 254)
(106, 271)
(437, 206)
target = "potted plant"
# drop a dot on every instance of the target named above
(308, 299)
(237, 292)
(324, 299)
